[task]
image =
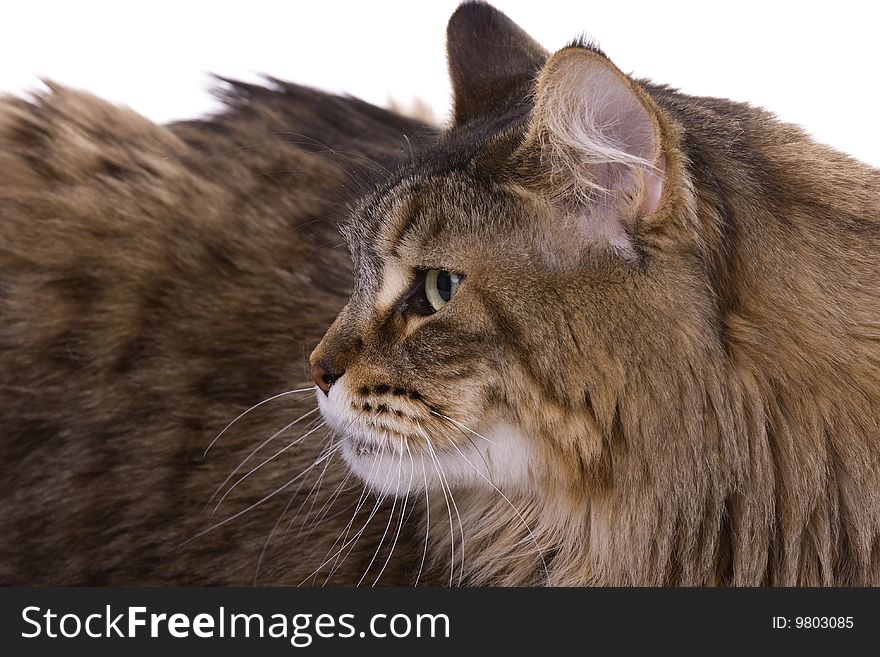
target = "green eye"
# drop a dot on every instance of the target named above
(440, 286)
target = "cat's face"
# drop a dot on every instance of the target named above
(501, 291)
(440, 336)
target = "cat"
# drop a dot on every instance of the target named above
(155, 283)
(599, 333)
(616, 334)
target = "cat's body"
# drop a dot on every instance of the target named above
(612, 333)
(156, 282)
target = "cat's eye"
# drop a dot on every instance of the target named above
(440, 286)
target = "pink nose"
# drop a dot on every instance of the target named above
(323, 377)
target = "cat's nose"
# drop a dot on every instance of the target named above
(323, 377)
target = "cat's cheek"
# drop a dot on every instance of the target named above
(503, 456)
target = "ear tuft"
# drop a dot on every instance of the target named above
(591, 115)
(584, 42)
(491, 60)
(598, 133)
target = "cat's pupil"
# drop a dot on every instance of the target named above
(444, 285)
(439, 286)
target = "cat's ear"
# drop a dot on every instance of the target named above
(490, 59)
(595, 140)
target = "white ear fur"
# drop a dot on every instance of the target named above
(602, 142)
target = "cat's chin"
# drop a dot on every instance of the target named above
(388, 469)
(384, 470)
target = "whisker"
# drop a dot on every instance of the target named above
(427, 525)
(474, 445)
(275, 527)
(326, 517)
(337, 557)
(251, 507)
(329, 443)
(445, 482)
(350, 544)
(448, 508)
(252, 408)
(268, 460)
(402, 512)
(461, 426)
(322, 512)
(388, 525)
(311, 496)
(258, 448)
(369, 519)
(346, 544)
(455, 506)
(344, 536)
(348, 156)
(515, 510)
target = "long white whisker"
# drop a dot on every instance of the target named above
(448, 510)
(390, 518)
(268, 460)
(427, 525)
(402, 512)
(469, 439)
(381, 499)
(343, 535)
(311, 495)
(278, 522)
(445, 482)
(351, 542)
(257, 449)
(324, 508)
(252, 506)
(515, 510)
(322, 512)
(462, 426)
(252, 408)
(350, 156)
(460, 525)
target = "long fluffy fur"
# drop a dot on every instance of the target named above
(703, 412)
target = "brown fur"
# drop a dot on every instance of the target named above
(698, 406)
(624, 390)
(154, 283)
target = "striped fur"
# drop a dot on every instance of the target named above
(666, 372)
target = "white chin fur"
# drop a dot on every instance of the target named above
(500, 456)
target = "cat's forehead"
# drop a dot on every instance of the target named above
(433, 211)
(457, 187)
(393, 208)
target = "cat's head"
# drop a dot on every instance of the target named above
(513, 281)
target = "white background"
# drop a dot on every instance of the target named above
(813, 64)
